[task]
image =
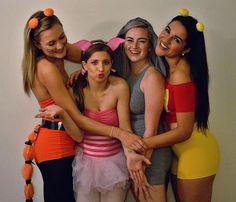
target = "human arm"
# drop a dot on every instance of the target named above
(134, 161)
(183, 95)
(153, 81)
(73, 53)
(50, 76)
(70, 127)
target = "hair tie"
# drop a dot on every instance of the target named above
(184, 12)
(48, 12)
(200, 27)
(34, 22)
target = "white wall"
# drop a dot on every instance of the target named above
(93, 19)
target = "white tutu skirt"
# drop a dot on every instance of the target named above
(100, 174)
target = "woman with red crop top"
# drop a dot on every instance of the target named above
(182, 45)
(45, 48)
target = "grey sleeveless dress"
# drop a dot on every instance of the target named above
(161, 158)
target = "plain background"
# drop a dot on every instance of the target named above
(92, 19)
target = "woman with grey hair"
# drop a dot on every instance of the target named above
(137, 62)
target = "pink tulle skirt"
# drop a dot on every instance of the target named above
(99, 173)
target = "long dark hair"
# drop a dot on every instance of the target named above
(198, 67)
(81, 82)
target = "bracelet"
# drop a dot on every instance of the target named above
(111, 132)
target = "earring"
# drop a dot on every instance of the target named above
(183, 54)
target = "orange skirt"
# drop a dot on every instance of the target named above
(53, 144)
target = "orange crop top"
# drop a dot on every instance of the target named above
(179, 98)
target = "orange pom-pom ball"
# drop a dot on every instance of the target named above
(27, 171)
(29, 191)
(33, 23)
(48, 12)
(32, 137)
(28, 153)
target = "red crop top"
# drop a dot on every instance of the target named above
(179, 98)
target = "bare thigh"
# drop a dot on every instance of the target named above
(195, 190)
(116, 195)
(82, 197)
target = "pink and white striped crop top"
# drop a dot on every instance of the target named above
(97, 145)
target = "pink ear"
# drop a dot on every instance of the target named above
(83, 44)
(114, 42)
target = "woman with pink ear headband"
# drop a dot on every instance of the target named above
(100, 173)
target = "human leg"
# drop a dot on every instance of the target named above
(92, 196)
(57, 180)
(195, 190)
(116, 195)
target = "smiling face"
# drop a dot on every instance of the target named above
(137, 44)
(53, 42)
(98, 66)
(172, 41)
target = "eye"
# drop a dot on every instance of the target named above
(167, 30)
(128, 40)
(51, 43)
(143, 41)
(62, 37)
(94, 62)
(177, 40)
(107, 62)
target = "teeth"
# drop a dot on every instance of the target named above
(163, 45)
(134, 52)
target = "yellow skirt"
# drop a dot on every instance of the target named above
(196, 157)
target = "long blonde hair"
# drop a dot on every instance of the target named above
(31, 52)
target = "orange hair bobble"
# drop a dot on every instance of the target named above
(33, 23)
(48, 12)
(29, 191)
(28, 153)
(27, 171)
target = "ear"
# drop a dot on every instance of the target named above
(186, 51)
(84, 65)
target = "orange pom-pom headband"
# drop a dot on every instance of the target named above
(199, 25)
(33, 22)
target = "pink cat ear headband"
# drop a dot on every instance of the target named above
(113, 43)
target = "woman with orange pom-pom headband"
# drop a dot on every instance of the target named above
(54, 148)
(44, 74)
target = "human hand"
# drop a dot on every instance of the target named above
(136, 164)
(50, 112)
(72, 78)
(131, 141)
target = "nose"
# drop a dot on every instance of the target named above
(100, 67)
(134, 44)
(59, 45)
(167, 39)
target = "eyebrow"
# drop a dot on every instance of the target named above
(142, 38)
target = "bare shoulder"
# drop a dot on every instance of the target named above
(153, 75)
(118, 83)
(46, 68)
